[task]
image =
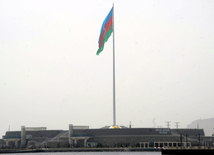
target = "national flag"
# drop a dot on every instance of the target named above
(106, 30)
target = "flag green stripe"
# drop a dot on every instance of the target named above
(108, 34)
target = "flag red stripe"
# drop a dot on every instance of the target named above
(105, 30)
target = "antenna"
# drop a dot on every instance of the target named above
(168, 124)
(176, 124)
(130, 124)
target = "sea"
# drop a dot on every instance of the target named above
(89, 153)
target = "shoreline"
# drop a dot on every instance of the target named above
(80, 150)
(164, 151)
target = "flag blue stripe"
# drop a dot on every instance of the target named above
(108, 17)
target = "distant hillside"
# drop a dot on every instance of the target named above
(206, 124)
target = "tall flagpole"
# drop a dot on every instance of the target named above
(114, 108)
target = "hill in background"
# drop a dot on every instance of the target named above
(206, 124)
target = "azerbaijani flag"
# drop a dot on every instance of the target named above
(106, 30)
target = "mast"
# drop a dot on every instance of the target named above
(114, 108)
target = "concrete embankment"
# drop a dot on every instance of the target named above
(79, 150)
(163, 151)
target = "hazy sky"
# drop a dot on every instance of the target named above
(50, 75)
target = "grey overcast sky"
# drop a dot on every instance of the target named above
(50, 75)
